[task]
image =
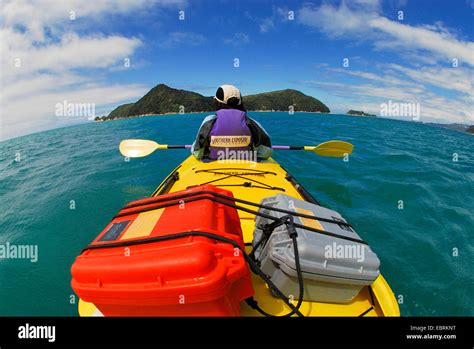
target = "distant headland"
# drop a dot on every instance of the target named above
(163, 99)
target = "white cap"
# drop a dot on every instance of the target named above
(228, 94)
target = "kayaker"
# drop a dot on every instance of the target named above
(230, 133)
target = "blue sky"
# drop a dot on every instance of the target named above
(79, 56)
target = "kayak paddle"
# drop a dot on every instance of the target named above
(136, 148)
(336, 149)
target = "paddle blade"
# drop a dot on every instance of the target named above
(137, 148)
(337, 149)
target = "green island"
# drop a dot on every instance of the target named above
(359, 113)
(163, 99)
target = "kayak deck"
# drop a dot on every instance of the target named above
(252, 182)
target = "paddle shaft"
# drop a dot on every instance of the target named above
(287, 147)
(279, 147)
(187, 146)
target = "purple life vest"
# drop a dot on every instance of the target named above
(229, 134)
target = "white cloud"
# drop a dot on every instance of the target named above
(386, 78)
(435, 40)
(335, 21)
(365, 23)
(371, 4)
(33, 17)
(28, 86)
(60, 59)
(266, 25)
(405, 85)
(454, 79)
(40, 107)
(278, 15)
(72, 52)
(238, 39)
(182, 38)
(445, 93)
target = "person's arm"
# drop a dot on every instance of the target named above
(261, 140)
(202, 138)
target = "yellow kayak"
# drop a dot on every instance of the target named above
(253, 182)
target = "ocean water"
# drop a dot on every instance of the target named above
(69, 182)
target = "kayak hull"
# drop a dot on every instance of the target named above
(253, 182)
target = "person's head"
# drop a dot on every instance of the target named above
(228, 97)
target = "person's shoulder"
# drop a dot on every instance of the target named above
(210, 117)
(248, 116)
(250, 119)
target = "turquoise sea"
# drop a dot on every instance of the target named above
(426, 248)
